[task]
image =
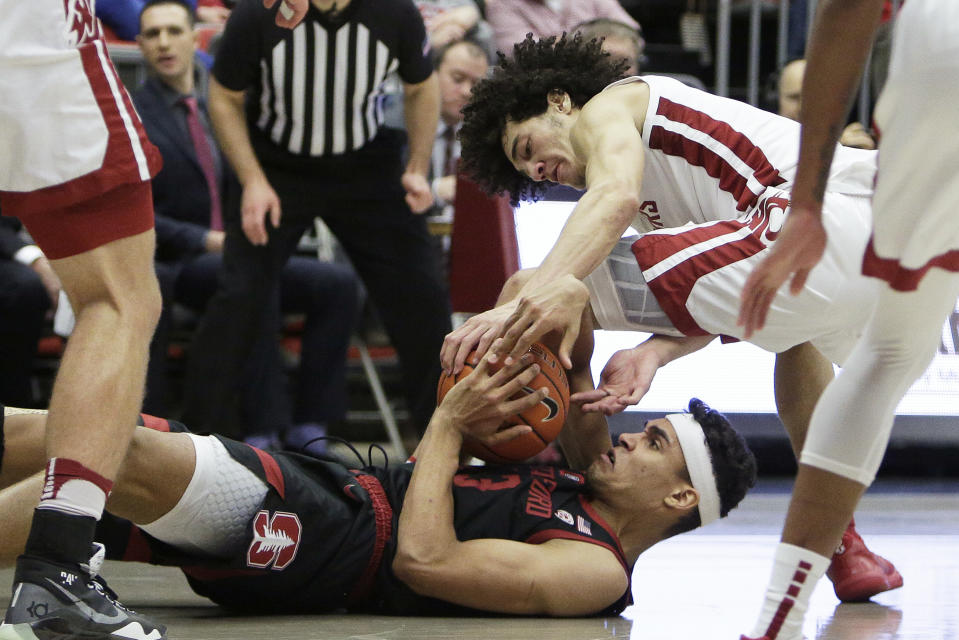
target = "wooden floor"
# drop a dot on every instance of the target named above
(706, 585)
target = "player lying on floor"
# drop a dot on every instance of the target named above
(683, 285)
(280, 532)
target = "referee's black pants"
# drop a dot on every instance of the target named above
(388, 245)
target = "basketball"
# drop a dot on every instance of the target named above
(546, 418)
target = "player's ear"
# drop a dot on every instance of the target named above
(682, 497)
(559, 100)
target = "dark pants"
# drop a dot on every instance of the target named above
(23, 303)
(329, 297)
(362, 203)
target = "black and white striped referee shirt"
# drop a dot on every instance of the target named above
(317, 90)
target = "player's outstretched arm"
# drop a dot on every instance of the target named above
(606, 139)
(629, 373)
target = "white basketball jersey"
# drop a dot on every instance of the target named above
(712, 158)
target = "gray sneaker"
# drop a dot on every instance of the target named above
(54, 601)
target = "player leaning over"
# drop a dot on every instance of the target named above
(651, 153)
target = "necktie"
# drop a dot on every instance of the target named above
(204, 155)
(449, 161)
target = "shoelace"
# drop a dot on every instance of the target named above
(369, 452)
(101, 587)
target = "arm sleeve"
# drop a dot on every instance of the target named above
(414, 48)
(237, 61)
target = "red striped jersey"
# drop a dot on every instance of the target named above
(712, 158)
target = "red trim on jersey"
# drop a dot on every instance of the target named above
(588, 508)
(902, 278)
(672, 288)
(271, 469)
(695, 153)
(155, 423)
(383, 514)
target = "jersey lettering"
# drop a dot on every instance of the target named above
(768, 217)
(539, 501)
(81, 26)
(651, 211)
(275, 540)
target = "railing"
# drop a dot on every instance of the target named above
(723, 44)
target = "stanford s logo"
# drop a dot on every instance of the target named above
(275, 540)
(552, 407)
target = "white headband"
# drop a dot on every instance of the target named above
(692, 441)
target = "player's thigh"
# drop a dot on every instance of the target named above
(120, 272)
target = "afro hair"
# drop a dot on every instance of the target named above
(517, 90)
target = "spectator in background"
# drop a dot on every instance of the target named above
(459, 66)
(123, 16)
(451, 20)
(790, 102)
(189, 194)
(303, 148)
(513, 19)
(28, 290)
(620, 40)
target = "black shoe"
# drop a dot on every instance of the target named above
(51, 600)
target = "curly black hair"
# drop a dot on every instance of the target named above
(517, 90)
(734, 465)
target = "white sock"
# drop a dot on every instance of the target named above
(795, 574)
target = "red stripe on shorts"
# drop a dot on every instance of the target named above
(672, 287)
(697, 154)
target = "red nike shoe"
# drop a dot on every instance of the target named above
(748, 638)
(857, 573)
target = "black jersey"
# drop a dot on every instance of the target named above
(531, 504)
(325, 536)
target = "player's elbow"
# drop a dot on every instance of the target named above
(416, 571)
(620, 198)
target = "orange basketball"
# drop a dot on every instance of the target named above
(546, 418)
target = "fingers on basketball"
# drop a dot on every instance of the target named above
(545, 418)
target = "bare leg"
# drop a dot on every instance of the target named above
(801, 375)
(151, 480)
(23, 453)
(99, 387)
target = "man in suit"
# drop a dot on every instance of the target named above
(28, 289)
(192, 193)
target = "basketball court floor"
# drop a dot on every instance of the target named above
(700, 586)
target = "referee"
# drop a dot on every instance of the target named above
(299, 116)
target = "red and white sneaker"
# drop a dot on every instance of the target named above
(749, 638)
(857, 573)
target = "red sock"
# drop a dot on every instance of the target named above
(72, 488)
